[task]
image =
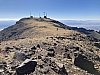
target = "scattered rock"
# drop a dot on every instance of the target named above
(50, 49)
(39, 57)
(60, 37)
(46, 60)
(38, 45)
(33, 48)
(97, 45)
(51, 53)
(43, 69)
(16, 48)
(19, 56)
(44, 43)
(55, 44)
(7, 49)
(59, 68)
(2, 64)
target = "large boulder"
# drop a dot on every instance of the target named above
(82, 62)
(27, 67)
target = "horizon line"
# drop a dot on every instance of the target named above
(74, 19)
(16, 19)
(9, 19)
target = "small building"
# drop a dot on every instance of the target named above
(31, 16)
(45, 16)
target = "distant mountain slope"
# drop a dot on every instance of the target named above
(95, 35)
(91, 33)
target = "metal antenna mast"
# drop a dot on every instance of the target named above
(44, 13)
(39, 15)
(30, 13)
(34, 15)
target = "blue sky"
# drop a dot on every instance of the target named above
(56, 9)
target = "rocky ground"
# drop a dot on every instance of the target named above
(47, 47)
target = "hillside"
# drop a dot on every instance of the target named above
(29, 27)
(43, 46)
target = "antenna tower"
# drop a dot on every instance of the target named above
(44, 13)
(30, 13)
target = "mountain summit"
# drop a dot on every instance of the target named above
(33, 27)
(43, 46)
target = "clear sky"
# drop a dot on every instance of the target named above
(56, 9)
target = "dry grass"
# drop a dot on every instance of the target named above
(47, 28)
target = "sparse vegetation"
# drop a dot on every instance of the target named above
(57, 52)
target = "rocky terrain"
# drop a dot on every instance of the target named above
(42, 46)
